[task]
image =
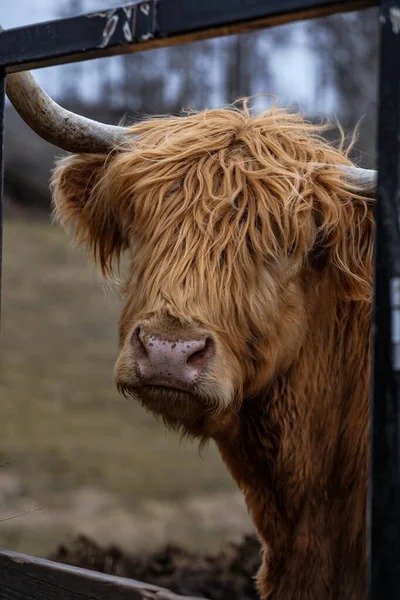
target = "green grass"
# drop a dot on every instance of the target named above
(93, 461)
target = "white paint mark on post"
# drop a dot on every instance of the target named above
(146, 36)
(395, 325)
(128, 11)
(97, 14)
(105, 14)
(394, 14)
(127, 31)
(145, 8)
(108, 30)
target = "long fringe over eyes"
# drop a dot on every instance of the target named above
(219, 193)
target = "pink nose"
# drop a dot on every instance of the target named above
(175, 363)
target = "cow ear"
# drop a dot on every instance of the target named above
(82, 203)
(345, 248)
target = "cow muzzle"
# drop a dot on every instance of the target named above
(176, 361)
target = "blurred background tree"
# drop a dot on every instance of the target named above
(346, 47)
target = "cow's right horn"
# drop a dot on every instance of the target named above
(57, 125)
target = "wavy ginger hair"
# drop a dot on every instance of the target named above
(207, 201)
(250, 184)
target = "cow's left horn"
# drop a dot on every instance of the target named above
(57, 125)
(363, 179)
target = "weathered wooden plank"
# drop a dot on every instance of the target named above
(156, 23)
(24, 577)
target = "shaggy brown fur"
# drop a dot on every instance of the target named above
(235, 233)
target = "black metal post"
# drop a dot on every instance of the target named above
(149, 24)
(385, 448)
(2, 108)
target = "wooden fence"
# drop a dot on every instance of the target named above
(142, 25)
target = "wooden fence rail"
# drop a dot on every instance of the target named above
(24, 577)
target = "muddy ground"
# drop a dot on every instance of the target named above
(228, 575)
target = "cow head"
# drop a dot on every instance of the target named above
(232, 221)
(228, 226)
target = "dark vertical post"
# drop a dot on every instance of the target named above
(2, 108)
(385, 447)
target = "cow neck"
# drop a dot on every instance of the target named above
(299, 451)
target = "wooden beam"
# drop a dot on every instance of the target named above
(154, 24)
(25, 577)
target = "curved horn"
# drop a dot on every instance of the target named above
(363, 179)
(55, 124)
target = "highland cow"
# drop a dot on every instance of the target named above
(247, 316)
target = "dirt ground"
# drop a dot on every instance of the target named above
(228, 575)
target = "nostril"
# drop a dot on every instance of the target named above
(200, 357)
(138, 342)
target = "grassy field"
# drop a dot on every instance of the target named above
(92, 461)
